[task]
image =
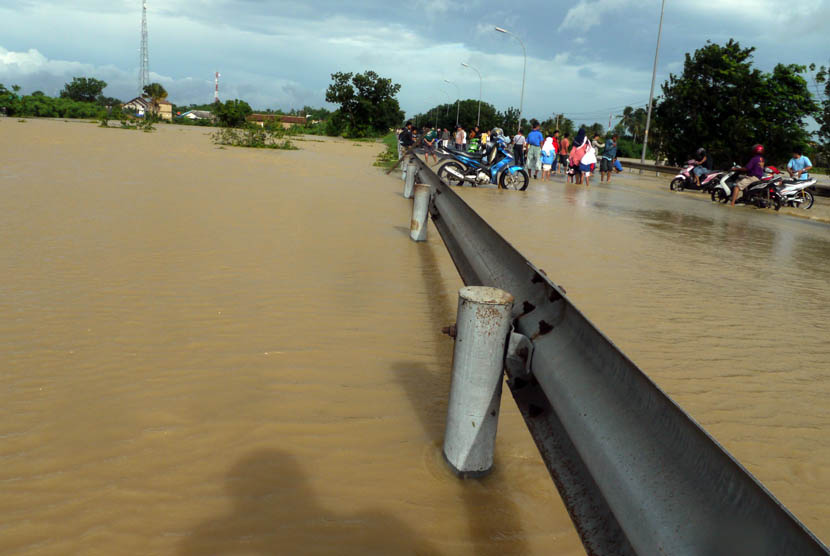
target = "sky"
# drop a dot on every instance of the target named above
(585, 58)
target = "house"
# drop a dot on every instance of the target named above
(141, 106)
(286, 121)
(197, 115)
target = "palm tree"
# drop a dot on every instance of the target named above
(628, 119)
(156, 93)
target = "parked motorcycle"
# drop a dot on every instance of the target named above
(793, 193)
(758, 193)
(686, 179)
(492, 165)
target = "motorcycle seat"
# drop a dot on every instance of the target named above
(465, 153)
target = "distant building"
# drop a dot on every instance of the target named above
(286, 121)
(141, 106)
(198, 115)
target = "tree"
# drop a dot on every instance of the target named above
(367, 103)
(720, 102)
(83, 89)
(822, 77)
(444, 115)
(233, 113)
(156, 93)
(509, 120)
(594, 129)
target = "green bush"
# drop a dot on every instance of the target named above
(253, 136)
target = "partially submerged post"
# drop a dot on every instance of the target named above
(409, 180)
(404, 167)
(475, 393)
(420, 211)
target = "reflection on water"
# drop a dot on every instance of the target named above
(202, 358)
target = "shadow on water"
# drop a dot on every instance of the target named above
(275, 512)
(494, 526)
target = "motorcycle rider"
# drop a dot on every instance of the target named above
(799, 165)
(405, 138)
(754, 170)
(704, 165)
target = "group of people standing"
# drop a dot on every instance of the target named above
(537, 153)
(577, 160)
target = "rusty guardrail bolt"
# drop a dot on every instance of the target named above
(451, 331)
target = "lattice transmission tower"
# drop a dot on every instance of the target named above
(144, 67)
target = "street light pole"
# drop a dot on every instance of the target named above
(653, 77)
(524, 71)
(466, 65)
(458, 96)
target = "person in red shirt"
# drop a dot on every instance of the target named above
(555, 146)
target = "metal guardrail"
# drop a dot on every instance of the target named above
(636, 473)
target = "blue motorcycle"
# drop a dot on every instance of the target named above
(492, 165)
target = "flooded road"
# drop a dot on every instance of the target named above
(233, 351)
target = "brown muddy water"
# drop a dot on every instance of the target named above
(213, 351)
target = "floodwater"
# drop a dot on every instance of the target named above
(213, 351)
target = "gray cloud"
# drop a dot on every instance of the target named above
(585, 56)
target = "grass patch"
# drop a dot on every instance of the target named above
(388, 158)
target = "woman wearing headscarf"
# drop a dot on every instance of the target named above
(548, 156)
(580, 144)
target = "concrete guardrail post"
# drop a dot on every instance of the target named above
(404, 168)
(475, 393)
(409, 182)
(420, 210)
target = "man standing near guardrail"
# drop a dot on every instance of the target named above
(405, 138)
(534, 150)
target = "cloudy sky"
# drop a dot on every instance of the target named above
(585, 58)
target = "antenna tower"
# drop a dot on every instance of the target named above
(144, 71)
(216, 89)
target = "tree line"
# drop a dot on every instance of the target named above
(719, 102)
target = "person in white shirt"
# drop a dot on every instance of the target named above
(588, 163)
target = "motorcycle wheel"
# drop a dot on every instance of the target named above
(518, 180)
(776, 203)
(719, 196)
(448, 178)
(676, 184)
(808, 200)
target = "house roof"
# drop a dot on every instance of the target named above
(202, 114)
(141, 101)
(138, 101)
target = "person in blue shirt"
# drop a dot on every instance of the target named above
(534, 150)
(799, 165)
(608, 156)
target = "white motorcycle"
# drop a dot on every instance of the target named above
(793, 193)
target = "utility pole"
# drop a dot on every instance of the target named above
(653, 77)
(524, 71)
(478, 118)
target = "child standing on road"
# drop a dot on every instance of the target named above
(548, 157)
